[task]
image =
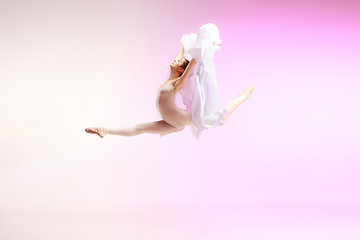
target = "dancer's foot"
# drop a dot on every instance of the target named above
(245, 94)
(241, 97)
(97, 130)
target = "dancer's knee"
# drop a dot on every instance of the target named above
(140, 128)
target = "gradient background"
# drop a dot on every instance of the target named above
(285, 166)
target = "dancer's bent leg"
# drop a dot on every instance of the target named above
(242, 96)
(158, 127)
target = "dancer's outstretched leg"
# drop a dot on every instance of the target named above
(242, 96)
(158, 127)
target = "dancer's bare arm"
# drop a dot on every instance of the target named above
(181, 53)
(179, 84)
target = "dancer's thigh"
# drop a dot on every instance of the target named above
(158, 127)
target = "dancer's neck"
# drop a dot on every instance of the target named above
(174, 75)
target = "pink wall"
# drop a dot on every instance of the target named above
(284, 166)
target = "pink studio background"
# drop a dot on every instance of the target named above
(285, 166)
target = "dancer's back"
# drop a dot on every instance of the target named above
(171, 113)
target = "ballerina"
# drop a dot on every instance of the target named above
(192, 74)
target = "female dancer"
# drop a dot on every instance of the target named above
(199, 94)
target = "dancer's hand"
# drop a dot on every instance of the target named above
(217, 43)
(182, 48)
(181, 53)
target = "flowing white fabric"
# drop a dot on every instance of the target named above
(200, 94)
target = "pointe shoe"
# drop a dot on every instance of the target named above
(97, 130)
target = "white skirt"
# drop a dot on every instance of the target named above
(200, 94)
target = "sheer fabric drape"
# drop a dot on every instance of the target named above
(200, 94)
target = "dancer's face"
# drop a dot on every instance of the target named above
(177, 64)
